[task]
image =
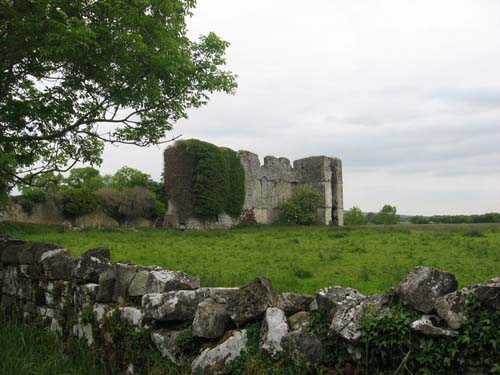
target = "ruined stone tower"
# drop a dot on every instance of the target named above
(272, 183)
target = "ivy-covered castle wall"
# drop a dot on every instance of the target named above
(210, 187)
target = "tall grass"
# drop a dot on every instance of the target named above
(27, 350)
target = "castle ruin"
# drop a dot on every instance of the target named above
(270, 184)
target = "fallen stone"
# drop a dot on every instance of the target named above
(426, 327)
(292, 303)
(57, 264)
(210, 319)
(299, 320)
(99, 252)
(132, 315)
(217, 360)
(423, 285)
(12, 250)
(252, 301)
(175, 305)
(489, 293)
(274, 328)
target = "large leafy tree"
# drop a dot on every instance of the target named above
(77, 74)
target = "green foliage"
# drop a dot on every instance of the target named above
(302, 207)
(28, 350)
(235, 183)
(186, 343)
(391, 346)
(128, 66)
(386, 216)
(78, 202)
(355, 217)
(419, 219)
(84, 178)
(335, 256)
(204, 180)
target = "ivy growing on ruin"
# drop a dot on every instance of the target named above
(204, 180)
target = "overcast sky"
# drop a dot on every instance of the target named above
(405, 92)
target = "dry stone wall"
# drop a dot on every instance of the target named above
(93, 299)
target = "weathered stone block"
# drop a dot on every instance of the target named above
(160, 281)
(489, 293)
(252, 301)
(292, 303)
(57, 264)
(89, 268)
(210, 319)
(274, 328)
(175, 305)
(423, 285)
(107, 281)
(217, 360)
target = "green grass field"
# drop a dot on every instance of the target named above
(297, 259)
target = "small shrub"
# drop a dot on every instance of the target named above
(302, 273)
(474, 233)
(302, 207)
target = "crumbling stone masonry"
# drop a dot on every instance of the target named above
(93, 299)
(273, 182)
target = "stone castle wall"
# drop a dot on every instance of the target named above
(111, 305)
(270, 184)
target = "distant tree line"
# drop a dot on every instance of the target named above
(386, 216)
(127, 195)
(491, 217)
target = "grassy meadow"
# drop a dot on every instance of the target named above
(297, 259)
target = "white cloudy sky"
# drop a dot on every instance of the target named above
(405, 92)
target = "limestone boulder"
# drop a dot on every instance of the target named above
(11, 251)
(252, 301)
(451, 307)
(58, 264)
(274, 328)
(166, 342)
(159, 281)
(85, 294)
(337, 298)
(125, 273)
(427, 325)
(423, 285)
(302, 347)
(171, 306)
(89, 268)
(107, 281)
(292, 303)
(217, 360)
(99, 252)
(211, 319)
(488, 293)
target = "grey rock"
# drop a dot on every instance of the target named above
(217, 360)
(423, 285)
(336, 298)
(107, 281)
(426, 327)
(12, 250)
(99, 252)
(488, 293)
(159, 281)
(274, 328)
(292, 303)
(124, 275)
(211, 319)
(57, 264)
(252, 301)
(301, 347)
(85, 294)
(299, 320)
(89, 268)
(166, 343)
(451, 307)
(175, 305)
(346, 322)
